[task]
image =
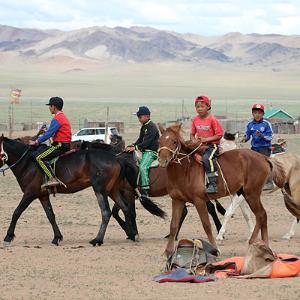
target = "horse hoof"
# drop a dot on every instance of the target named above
(9, 238)
(220, 238)
(57, 241)
(137, 238)
(95, 243)
(131, 238)
(6, 244)
(287, 237)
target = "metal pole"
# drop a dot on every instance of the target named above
(10, 119)
(106, 125)
(31, 125)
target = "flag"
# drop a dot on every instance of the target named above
(15, 95)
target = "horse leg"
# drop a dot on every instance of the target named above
(220, 208)
(24, 203)
(261, 218)
(203, 214)
(177, 209)
(292, 230)
(212, 211)
(131, 228)
(246, 211)
(184, 214)
(106, 213)
(229, 212)
(115, 214)
(45, 201)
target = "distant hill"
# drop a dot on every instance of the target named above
(145, 44)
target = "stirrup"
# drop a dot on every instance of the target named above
(211, 188)
(50, 184)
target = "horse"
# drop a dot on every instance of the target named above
(78, 170)
(292, 171)
(158, 188)
(242, 171)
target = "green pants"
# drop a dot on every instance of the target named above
(146, 161)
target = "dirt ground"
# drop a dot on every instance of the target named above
(34, 268)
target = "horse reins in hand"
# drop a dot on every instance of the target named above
(4, 158)
(189, 154)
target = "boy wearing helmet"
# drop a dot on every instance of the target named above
(261, 134)
(148, 144)
(60, 131)
(206, 127)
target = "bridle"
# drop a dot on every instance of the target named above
(177, 152)
(3, 154)
(4, 158)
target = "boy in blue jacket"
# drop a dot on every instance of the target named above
(260, 130)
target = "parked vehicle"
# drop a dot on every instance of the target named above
(95, 134)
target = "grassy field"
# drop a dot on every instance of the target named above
(168, 89)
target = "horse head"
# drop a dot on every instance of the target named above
(169, 144)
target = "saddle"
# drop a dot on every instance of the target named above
(192, 255)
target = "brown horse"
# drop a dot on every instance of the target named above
(243, 171)
(158, 188)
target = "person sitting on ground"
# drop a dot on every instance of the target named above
(261, 134)
(206, 128)
(60, 131)
(148, 144)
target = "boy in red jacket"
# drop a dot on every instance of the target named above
(206, 127)
(60, 131)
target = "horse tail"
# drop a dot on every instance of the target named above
(129, 172)
(278, 172)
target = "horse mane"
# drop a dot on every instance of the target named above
(96, 145)
(186, 145)
(16, 143)
(177, 130)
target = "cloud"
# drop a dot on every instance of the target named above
(196, 16)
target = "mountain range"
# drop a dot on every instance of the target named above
(144, 44)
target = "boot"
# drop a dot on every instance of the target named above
(268, 185)
(211, 187)
(51, 182)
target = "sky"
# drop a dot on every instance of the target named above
(184, 16)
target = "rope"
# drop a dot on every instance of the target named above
(189, 154)
(225, 182)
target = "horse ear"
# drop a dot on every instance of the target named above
(177, 127)
(161, 128)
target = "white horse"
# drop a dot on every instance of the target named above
(239, 201)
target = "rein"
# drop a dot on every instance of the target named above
(5, 158)
(177, 152)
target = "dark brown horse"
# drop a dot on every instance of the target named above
(79, 170)
(243, 171)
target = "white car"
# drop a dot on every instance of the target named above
(95, 134)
